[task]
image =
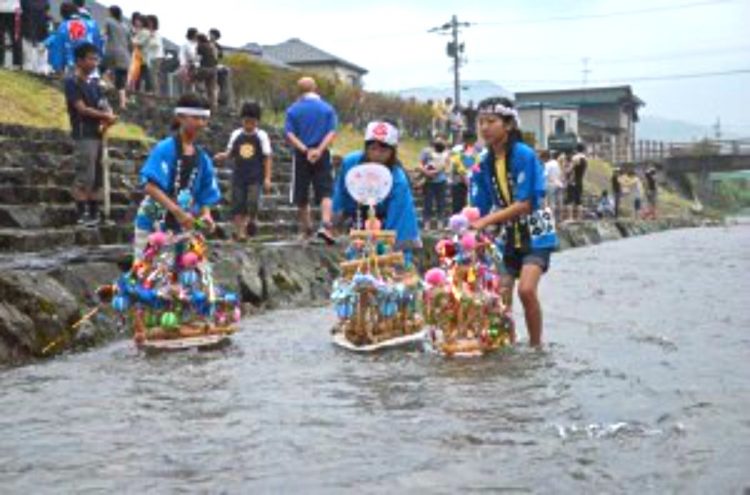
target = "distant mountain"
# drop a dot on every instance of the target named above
(470, 91)
(661, 129)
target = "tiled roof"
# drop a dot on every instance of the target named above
(583, 96)
(255, 51)
(296, 52)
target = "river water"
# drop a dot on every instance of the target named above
(643, 387)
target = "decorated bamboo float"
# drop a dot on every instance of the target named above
(378, 294)
(464, 301)
(168, 295)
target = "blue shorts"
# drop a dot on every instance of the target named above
(514, 262)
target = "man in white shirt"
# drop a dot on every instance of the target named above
(188, 58)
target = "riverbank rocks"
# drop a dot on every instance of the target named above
(42, 297)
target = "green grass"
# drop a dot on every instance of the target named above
(30, 102)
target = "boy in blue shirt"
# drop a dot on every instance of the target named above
(178, 177)
(509, 191)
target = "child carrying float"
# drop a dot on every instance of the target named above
(378, 294)
(168, 293)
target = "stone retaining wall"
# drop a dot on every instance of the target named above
(42, 296)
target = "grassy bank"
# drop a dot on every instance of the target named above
(597, 179)
(29, 101)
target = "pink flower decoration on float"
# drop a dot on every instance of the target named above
(469, 242)
(458, 223)
(435, 277)
(471, 213)
(189, 260)
(157, 239)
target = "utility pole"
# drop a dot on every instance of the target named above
(454, 49)
(717, 129)
(586, 71)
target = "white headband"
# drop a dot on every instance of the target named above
(500, 109)
(382, 132)
(192, 112)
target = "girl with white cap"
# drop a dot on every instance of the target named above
(396, 211)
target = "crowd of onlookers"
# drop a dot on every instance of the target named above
(565, 188)
(444, 169)
(131, 50)
(130, 55)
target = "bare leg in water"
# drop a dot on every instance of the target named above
(528, 290)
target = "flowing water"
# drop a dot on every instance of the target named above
(643, 387)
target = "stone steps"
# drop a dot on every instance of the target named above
(15, 195)
(119, 178)
(51, 216)
(39, 239)
(37, 171)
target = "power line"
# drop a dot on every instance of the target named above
(604, 15)
(671, 77)
(563, 18)
(667, 56)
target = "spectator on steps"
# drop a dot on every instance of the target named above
(435, 161)
(90, 117)
(154, 54)
(311, 128)
(188, 58)
(139, 77)
(10, 33)
(222, 71)
(34, 30)
(207, 74)
(72, 31)
(117, 54)
(250, 151)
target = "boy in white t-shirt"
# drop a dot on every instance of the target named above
(250, 150)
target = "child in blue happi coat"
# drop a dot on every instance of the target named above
(509, 191)
(396, 211)
(178, 177)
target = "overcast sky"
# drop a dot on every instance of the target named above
(518, 44)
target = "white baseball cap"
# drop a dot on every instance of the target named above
(382, 132)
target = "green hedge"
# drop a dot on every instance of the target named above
(276, 89)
